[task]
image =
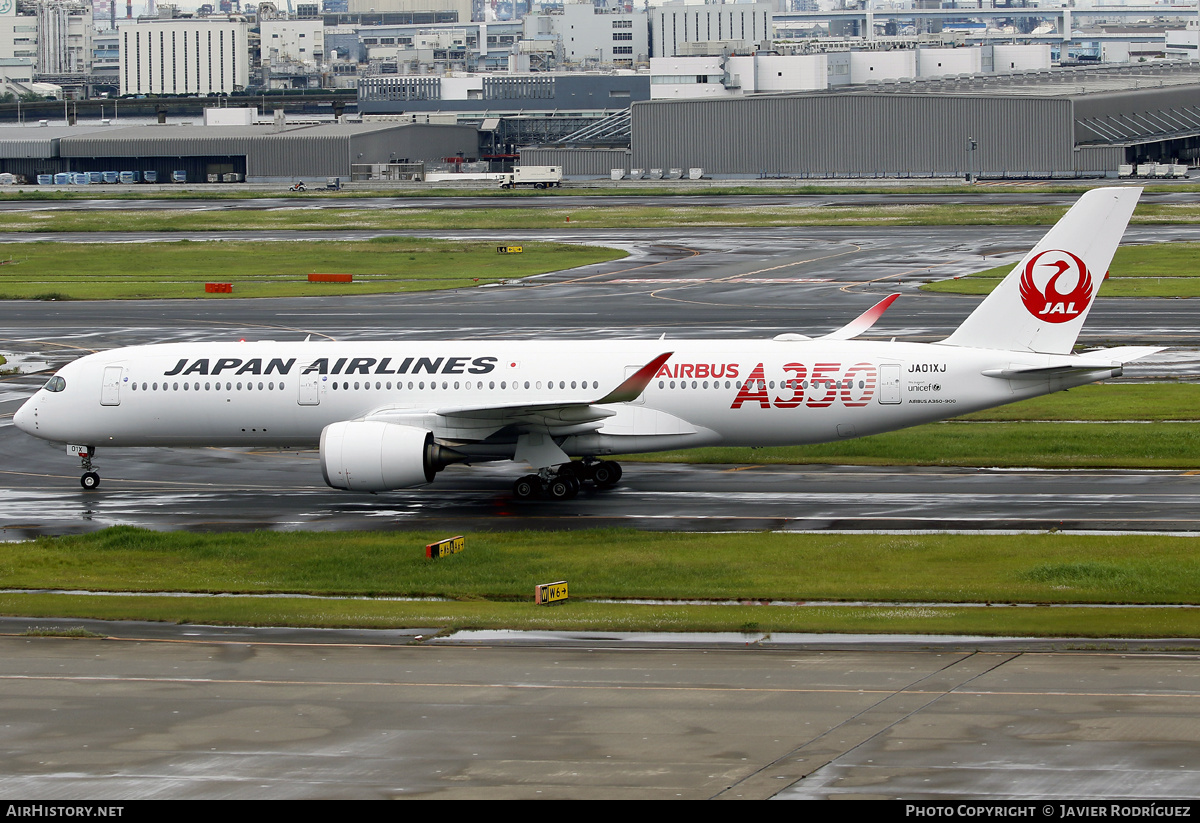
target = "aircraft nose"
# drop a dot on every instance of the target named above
(24, 417)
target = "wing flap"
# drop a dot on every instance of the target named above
(562, 418)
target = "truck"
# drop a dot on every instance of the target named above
(540, 177)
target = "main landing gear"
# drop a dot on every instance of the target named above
(563, 482)
(90, 479)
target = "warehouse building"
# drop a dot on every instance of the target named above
(253, 153)
(1060, 123)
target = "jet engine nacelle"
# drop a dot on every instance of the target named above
(371, 456)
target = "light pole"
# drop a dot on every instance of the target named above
(972, 144)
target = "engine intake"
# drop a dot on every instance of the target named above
(371, 456)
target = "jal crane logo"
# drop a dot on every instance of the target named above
(1066, 286)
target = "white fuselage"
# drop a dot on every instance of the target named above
(709, 392)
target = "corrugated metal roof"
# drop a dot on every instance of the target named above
(39, 142)
(1058, 82)
(170, 131)
(308, 150)
(187, 141)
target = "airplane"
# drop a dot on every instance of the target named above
(388, 416)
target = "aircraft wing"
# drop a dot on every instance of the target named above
(852, 329)
(863, 322)
(565, 418)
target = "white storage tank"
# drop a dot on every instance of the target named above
(942, 62)
(878, 66)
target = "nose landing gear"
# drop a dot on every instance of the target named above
(90, 479)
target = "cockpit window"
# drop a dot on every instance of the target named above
(55, 383)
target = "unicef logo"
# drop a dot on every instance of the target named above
(6, 6)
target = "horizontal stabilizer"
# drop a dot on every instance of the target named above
(1124, 354)
(1044, 372)
(1112, 360)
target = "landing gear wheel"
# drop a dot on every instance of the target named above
(90, 480)
(562, 487)
(527, 487)
(606, 474)
(576, 471)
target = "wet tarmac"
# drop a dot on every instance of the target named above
(193, 712)
(156, 712)
(724, 282)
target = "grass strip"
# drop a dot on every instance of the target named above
(1055, 431)
(1164, 270)
(1104, 402)
(550, 216)
(277, 269)
(665, 190)
(490, 585)
(997, 621)
(983, 445)
(623, 563)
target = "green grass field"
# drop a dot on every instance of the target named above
(173, 269)
(730, 576)
(490, 585)
(90, 271)
(599, 215)
(1167, 270)
(219, 193)
(1057, 431)
(982, 445)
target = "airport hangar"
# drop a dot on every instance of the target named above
(1059, 123)
(258, 153)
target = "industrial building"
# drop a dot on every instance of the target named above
(253, 153)
(185, 56)
(1058, 123)
(517, 109)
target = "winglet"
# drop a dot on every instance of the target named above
(863, 322)
(636, 383)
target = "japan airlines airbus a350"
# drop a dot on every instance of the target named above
(391, 415)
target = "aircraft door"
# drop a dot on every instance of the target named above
(310, 389)
(889, 383)
(630, 371)
(110, 387)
